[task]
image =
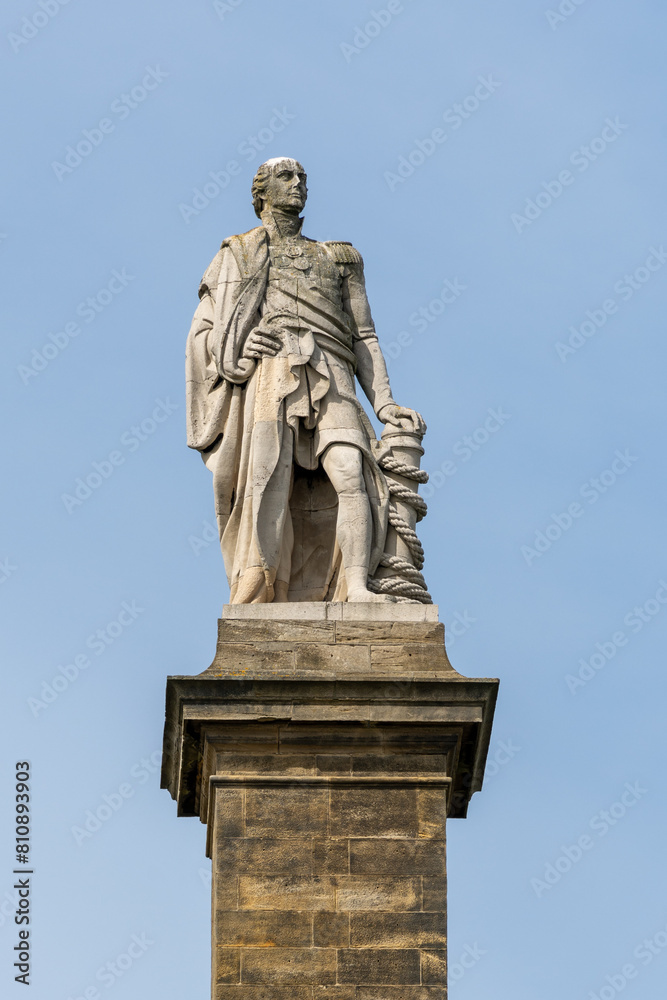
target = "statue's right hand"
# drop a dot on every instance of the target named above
(262, 342)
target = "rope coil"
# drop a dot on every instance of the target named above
(407, 584)
(401, 469)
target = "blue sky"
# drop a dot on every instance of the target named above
(517, 153)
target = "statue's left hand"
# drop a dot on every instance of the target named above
(403, 417)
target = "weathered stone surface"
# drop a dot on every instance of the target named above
(394, 763)
(354, 632)
(397, 930)
(434, 893)
(397, 613)
(267, 992)
(263, 928)
(332, 611)
(350, 659)
(355, 892)
(388, 812)
(250, 658)
(277, 763)
(289, 892)
(286, 811)
(273, 856)
(227, 965)
(379, 966)
(374, 856)
(434, 967)
(272, 630)
(431, 812)
(298, 966)
(230, 813)
(401, 993)
(411, 656)
(331, 930)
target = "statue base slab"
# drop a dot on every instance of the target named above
(333, 612)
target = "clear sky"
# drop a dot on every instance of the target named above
(501, 167)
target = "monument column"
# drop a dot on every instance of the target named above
(325, 747)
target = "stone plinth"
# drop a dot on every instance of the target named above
(324, 748)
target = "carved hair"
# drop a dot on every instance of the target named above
(260, 179)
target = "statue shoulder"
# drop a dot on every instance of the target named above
(242, 245)
(252, 236)
(343, 252)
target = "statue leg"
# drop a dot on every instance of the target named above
(343, 464)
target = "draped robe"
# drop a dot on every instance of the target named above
(262, 425)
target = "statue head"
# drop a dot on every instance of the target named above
(280, 183)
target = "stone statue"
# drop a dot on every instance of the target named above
(303, 489)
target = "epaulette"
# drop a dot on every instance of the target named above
(343, 252)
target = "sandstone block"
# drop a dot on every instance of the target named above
(378, 966)
(432, 811)
(434, 967)
(369, 893)
(342, 660)
(298, 966)
(263, 928)
(387, 812)
(270, 630)
(397, 930)
(229, 812)
(401, 993)
(410, 657)
(331, 930)
(269, 856)
(390, 632)
(397, 857)
(286, 892)
(434, 893)
(227, 966)
(285, 811)
(399, 763)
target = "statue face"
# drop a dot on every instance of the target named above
(286, 187)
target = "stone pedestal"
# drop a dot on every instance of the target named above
(324, 748)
